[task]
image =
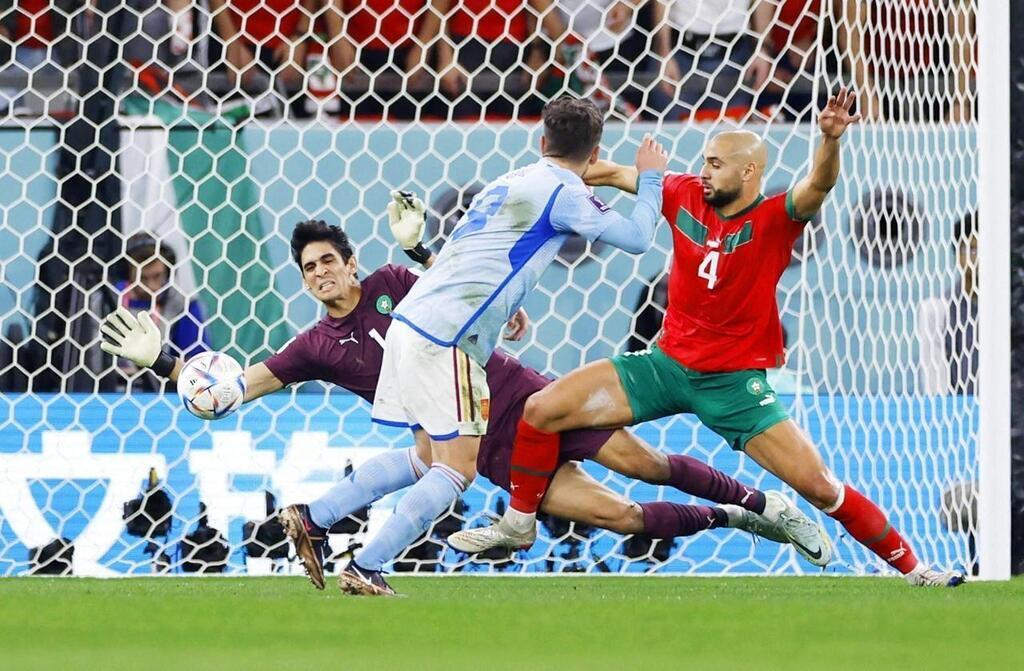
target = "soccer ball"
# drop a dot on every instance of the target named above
(211, 385)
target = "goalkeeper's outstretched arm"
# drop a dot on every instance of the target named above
(136, 338)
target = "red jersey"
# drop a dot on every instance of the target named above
(722, 312)
(267, 23)
(797, 20)
(901, 37)
(33, 22)
(382, 24)
(490, 20)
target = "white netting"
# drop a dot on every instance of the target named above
(120, 117)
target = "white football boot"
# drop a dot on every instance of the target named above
(497, 535)
(783, 522)
(922, 576)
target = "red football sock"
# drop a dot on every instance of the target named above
(868, 524)
(534, 458)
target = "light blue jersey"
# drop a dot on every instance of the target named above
(511, 233)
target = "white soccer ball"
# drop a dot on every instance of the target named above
(211, 385)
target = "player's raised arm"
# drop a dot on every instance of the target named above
(609, 173)
(627, 177)
(810, 192)
(406, 220)
(136, 338)
(578, 211)
(636, 234)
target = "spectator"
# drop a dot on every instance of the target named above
(599, 38)
(148, 287)
(163, 50)
(38, 36)
(183, 26)
(380, 35)
(902, 52)
(946, 326)
(961, 345)
(599, 26)
(27, 29)
(792, 42)
(493, 37)
(264, 37)
(708, 49)
(963, 56)
(898, 52)
(374, 37)
(28, 26)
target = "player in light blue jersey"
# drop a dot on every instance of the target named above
(513, 230)
(432, 377)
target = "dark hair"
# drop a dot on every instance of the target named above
(143, 248)
(572, 128)
(965, 228)
(319, 231)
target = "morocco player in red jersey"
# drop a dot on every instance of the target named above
(721, 332)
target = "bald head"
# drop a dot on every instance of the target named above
(734, 163)
(741, 146)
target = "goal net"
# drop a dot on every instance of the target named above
(137, 135)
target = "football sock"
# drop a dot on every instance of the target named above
(694, 477)
(663, 519)
(868, 524)
(422, 504)
(380, 475)
(534, 459)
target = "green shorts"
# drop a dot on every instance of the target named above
(736, 405)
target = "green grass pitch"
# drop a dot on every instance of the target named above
(508, 623)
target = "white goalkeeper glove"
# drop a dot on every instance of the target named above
(131, 337)
(406, 217)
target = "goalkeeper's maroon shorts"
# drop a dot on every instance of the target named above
(511, 384)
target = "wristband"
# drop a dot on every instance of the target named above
(164, 365)
(419, 253)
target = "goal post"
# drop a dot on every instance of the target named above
(877, 303)
(994, 249)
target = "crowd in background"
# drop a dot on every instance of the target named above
(404, 59)
(473, 59)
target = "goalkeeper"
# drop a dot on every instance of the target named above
(345, 348)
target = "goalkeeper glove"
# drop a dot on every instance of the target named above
(135, 338)
(406, 218)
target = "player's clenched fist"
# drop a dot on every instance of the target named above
(651, 156)
(405, 216)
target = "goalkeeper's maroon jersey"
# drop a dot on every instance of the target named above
(722, 311)
(348, 352)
